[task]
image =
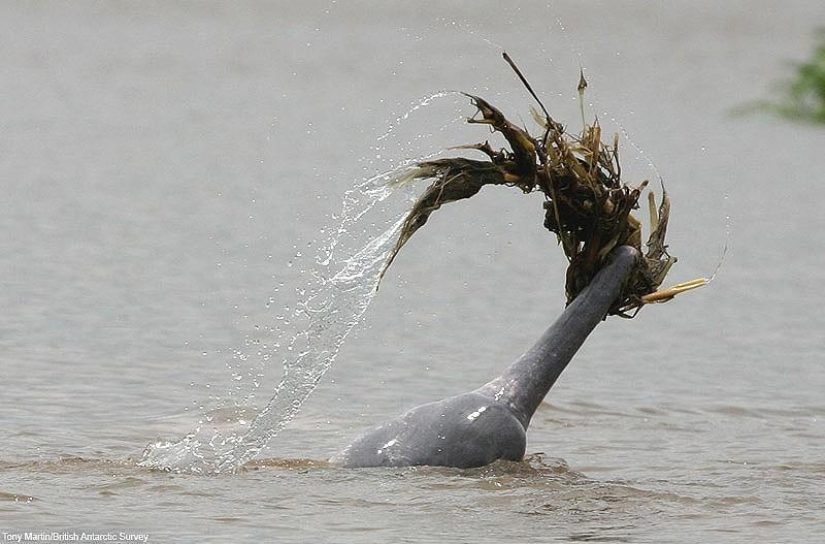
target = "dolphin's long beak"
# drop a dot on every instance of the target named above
(525, 383)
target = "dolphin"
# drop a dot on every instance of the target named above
(476, 428)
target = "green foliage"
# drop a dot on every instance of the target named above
(806, 93)
(803, 97)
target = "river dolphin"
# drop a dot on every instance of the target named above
(490, 423)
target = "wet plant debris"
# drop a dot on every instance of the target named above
(586, 204)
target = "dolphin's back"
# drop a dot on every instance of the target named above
(469, 430)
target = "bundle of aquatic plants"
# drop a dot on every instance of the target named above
(587, 205)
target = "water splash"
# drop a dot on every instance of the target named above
(344, 287)
(724, 252)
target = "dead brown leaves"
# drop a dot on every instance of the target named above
(587, 205)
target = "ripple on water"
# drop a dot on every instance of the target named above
(16, 497)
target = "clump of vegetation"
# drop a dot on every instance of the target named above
(587, 205)
(803, 97)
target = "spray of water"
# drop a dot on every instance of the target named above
(328, 314)
(724, 252)
(341, 289)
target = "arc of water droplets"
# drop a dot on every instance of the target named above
(345, 288)
(724, 252)
(330, 313)
(426, 101)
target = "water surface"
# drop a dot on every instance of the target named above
(168, 174)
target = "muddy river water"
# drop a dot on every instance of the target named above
(169, 172)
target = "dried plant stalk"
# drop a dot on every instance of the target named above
(587, 205)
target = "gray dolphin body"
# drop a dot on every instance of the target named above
(490, 423)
